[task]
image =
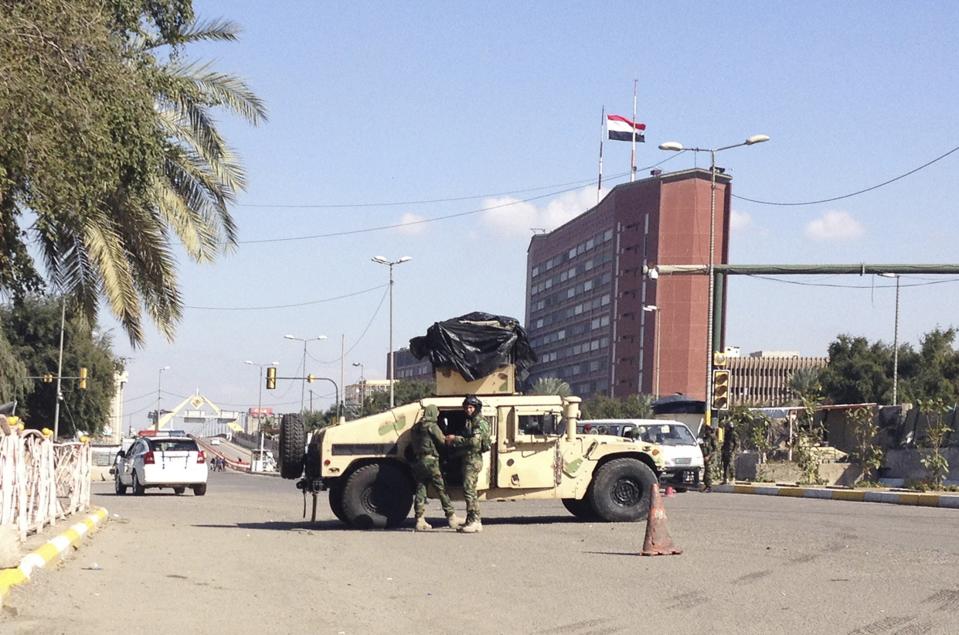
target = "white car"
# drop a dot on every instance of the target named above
(681, 451)
(152, 462)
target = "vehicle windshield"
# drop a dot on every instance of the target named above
(173, 445)
(666, 434)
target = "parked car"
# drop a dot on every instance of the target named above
(155, 462)
(681, 451)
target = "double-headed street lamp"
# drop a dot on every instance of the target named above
(390, 263)
(305, 340)
(156, 422)
(895, 343)
(710, 301)
(259, 396)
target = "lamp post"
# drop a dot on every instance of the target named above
(56, 406)
(710, 301)
(156, 422)
(304, 340)
(895, 343)
(259, 395)
(362, 383)
(652, 308)
(390, 263)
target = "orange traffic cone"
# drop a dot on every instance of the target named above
(658, 541)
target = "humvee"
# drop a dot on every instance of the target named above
(536, 454)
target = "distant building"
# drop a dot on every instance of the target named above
(408, 368)
(764, 380)
(356, 394)
(772, 354)
(586, 289)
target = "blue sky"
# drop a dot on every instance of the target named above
(392, 102)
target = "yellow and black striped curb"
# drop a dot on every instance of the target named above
(51, 550)
(857, 495)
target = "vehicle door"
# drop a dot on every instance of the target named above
(128, 462)
(527, 448)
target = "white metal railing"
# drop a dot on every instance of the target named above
(40, 481)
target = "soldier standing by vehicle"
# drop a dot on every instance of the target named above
(709, 451)
(425, 442)
(730, 445)
(471, 445)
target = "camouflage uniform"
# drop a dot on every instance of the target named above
(425, 442)
(709, 451)
(730, 445)
(471, 446)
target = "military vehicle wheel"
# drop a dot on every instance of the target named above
(336, 503)
(621, 490)
(292, 442)
(377, 496)
(582, 509)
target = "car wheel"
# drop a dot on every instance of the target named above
(582, 508)
(138, 489)
(118, 485)
(199, 490)
(377, 496)
(179, 490)
(292, 444)
(621, 490)
(336, 502)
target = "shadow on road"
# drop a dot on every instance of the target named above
(530, 520)
(282, 525)
(148, 494)
(612, 553)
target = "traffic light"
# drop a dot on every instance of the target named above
(721, 389)
(83, 379)
(48, 378)
(310, 378)
(271, 378)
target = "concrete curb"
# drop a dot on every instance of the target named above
(861, 496)
(51, 550)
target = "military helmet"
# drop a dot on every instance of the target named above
(431, 412)
(473, 400)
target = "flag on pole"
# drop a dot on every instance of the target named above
(622, 129)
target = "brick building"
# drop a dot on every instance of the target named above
(585, 288)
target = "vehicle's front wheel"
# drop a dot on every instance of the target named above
(621, 490)
(336, 502)
(199, 490)
(582, 508)
(377, 496)
(138, 489)
(118, 485)
(291, 444)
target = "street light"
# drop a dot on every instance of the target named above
(259, 396)
(383, 261)
(362, 383)
(895, 343)
(304, 340)
(156, 422)
(652, 308)
(675, 146)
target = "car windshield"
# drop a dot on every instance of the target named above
(666, 434)
(173, 445)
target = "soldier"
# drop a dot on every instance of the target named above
(709, 451)
(425, 442)
(471, 446)
(730, 445)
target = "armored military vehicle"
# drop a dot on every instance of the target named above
(536, 451)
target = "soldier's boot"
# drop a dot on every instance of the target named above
(421, 524)
(454, 521)
(473, 526)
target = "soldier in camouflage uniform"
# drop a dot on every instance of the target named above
(710, 445)
(730, 446)
(425, 442)
(471, 446)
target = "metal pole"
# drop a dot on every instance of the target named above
(392, 380)
(56, 406)
(311, 400)
(339, 404)
(632, 155)
(259, 402)
(709, 298)
(303, 389)
(656, 344)
(895, 351)
(156, 420)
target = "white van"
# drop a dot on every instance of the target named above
(684, 458)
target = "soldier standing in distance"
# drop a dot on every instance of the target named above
(709, 451)
(425, 442)
(472, 444)
(730, 445)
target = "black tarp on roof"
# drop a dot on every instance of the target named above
(475, 345)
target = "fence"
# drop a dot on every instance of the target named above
(40, 481)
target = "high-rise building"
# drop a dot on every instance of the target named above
(586, 290)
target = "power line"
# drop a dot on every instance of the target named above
(849, 286)
(360, 338)
(284, 306)
(851, 194)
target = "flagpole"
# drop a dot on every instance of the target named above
(602, 131)
(632, 156)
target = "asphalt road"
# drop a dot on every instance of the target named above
(241, 560)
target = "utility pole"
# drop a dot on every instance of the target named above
(56, 407)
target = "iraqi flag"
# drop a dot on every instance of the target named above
(622, 129)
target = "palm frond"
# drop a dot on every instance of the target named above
(107, 252)
(221, 89)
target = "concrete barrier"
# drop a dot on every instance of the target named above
(855, 495)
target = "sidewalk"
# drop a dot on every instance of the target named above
(857, 495)
(49, 551)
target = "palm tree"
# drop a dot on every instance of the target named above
(551, 386)
(805, 383)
